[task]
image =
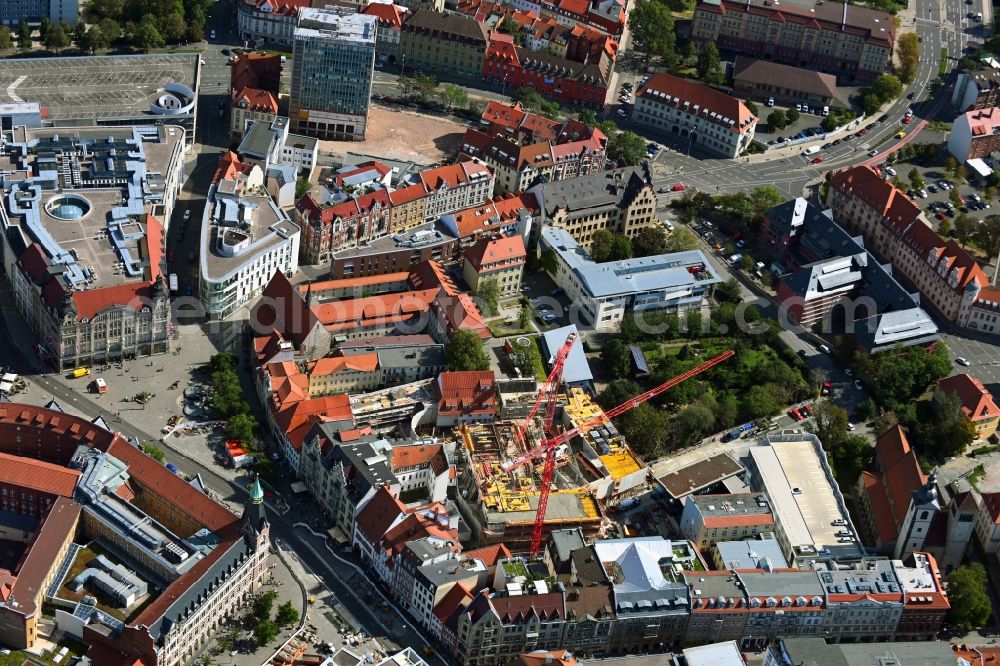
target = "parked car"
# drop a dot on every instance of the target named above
(770, 101)
(889, 170)
(826, 388)
(961, 360)
(858, 385)
(679, 187)
(817, 159)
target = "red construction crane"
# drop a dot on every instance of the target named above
(548, 446)
(549, 388)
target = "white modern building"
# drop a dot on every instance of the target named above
(689, 110)
(679, 282)
(245, 239)
(269, 144)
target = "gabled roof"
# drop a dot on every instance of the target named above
(37, 475)
(419, 455)
(447, 24)
(488, 555)
(282, 307)
(457, 597)
(515, 610)
(379, 514)
(466, 392)
(256, 100)
(977, 403)
(422, 523)
(900, 471)
(296, 419)
(885, 524)
(505, 249)
(663, 88)
(389, 15)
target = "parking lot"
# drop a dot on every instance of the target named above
(983, 358)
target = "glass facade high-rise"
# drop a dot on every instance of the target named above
(332, 64)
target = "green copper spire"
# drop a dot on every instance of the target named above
(256, 493)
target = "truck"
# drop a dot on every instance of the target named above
(173, 283)
(736, 433)
(100, 385)
(81, 372)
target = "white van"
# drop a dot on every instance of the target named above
(979, 17)
(811, 150)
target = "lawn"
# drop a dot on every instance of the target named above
(74, 649)
(499, 329)
(515, 568)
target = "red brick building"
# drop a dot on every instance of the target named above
(557, 78)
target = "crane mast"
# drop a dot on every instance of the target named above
(548, 446)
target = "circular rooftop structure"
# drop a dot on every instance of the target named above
(68, 207)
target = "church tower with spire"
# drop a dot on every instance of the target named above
(256, 533)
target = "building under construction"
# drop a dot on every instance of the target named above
(503, 505)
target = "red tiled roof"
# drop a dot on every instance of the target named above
(388, 15)
(422, 523)
(373, 165)
(489, 555)
(330, 365)
(37, 475)
(549, 606)
(34, 263)
(451, 601)
(407, 194)
(24, 595)
(282, 308)
(419, 455)
(296, 419)
(505, 115)
(379, 514)
(901, 473)
(466, 392)
(977, 402)
(881, 511)
(739, 520)
(345, 283)
(256, 100)
(282, 7)
(507, 249)
(697, 94)
(156, 479)
(374, 310)
(92, 301)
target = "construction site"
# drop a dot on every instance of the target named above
(559, 467)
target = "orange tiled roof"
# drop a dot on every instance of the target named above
(256, 99)
(977, 402)
(466, 392)
(697, 94)
(881, 511)
(489, 555)
(507, 249)
(346, 283)
(451, 601)
(37, 475)
(388, 15)
(330, 365)
(419, 455)
(900, 470)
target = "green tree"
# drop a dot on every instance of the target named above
(173, 27)
(616, 357)
(916, 180)
(965, 227)
(947, 432)
(302, 187)
(111, 31)
(263, 604)
(465, 352)
(265, 632)
(195, 32)
(650, 241)
(621, 248)
(508, 26)
(242, 428)
(865, 410)
(709, 65)
(987, 235)
(759, 401)
(57, 37)
(454, 96)
(777, 119)
(646, 428)
(587, 117)
(524, 316)
(752, 107)
(945, 227)
(526, 358)
(601, 245)
(93, 39)
(792, 114)
(728, 291)
(6, 38)
(24, 35)
(154, 452)
(908, 50)
(44, 27)
(145, 35)
(548, 262)
(79, 31)
(220, 362)
(286, 615)
(830, 425)
(970, 604)
(488, 295)
(652, 27)
(626, 148)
